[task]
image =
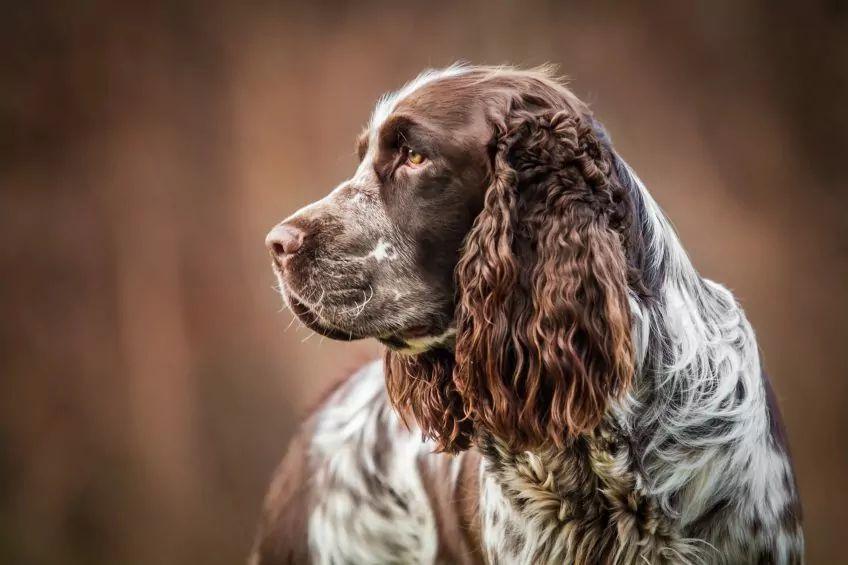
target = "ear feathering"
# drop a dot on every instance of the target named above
(543, 319)
(422, 386)
(543, 316)
(543, 283)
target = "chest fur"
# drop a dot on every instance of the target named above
(584, 504)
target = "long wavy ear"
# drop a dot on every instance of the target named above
(543, 319)
(422, 386)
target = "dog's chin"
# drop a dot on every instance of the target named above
(312, 321)
(410, 340)
(415, 342)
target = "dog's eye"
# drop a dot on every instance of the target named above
(413, 157)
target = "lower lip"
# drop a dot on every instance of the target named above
(410, 333)
(417, 331)
(304, 314)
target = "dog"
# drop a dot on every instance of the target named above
(560, 385)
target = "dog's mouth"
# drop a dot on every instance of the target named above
(311, 320)
(309, 315)
(403, 340)
(411, 338)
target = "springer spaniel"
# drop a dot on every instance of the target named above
(560, 384)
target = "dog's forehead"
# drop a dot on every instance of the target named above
(389, 102)
(441, 101)
(448, 103)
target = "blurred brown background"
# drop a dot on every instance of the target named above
(149, 383)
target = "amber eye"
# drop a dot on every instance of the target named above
(414, 157)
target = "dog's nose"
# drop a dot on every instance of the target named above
(284, 240)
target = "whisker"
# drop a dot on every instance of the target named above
(365, 303)
(293, 318)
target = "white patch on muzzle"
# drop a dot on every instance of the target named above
(383, 251)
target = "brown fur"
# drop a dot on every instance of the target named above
(455, 505)
(542, 317)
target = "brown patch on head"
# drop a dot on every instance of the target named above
(543, 319)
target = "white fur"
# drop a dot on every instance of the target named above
(354, 523)
(383, 251)
(694, 350)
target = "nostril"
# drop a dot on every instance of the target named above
(278, 249)
(284, 240)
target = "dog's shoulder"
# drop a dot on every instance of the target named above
(283, 533)
(357, 485)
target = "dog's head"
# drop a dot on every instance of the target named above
(485, 239)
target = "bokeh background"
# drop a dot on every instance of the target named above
(149, 384)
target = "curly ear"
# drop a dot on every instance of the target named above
(422, 386)
(543, 319)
